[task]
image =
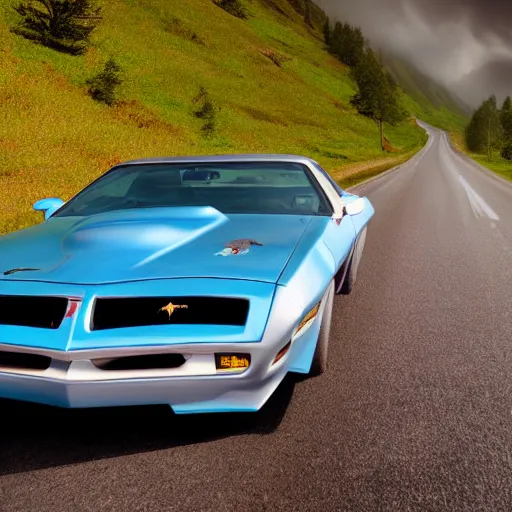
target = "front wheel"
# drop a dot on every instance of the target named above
(350, 278)
(319, 364)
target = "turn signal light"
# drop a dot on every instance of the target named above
(232, 362)
(282, 352)
(306, 322)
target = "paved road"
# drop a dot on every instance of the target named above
(415, 412)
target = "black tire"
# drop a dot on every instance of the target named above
(353, 266)
(319, 364)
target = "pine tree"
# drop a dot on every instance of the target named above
(506, 119)
(102, 87)
(475, 132)
(336, 36)
(327, 32)
(307, 14)
(355, 46)
(347, 43)
(494, 138)
(484, 133)
(64, 25)
(377, 97)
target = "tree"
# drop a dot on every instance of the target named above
(347, 43)
(377, 97)
(64, 25)
(356, 44)
(307, 14)
(494, 138)
(484, 133)
(206, 111)
(336, 37)
(327, 32)
(102, 87)
(475, 131)
(506, 152)
(234, 7)
(506, 119)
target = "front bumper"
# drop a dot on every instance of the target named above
(72, 380)
(194, 387)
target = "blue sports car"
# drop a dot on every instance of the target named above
(197, 282)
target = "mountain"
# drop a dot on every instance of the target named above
(271, 82)
(430, 97)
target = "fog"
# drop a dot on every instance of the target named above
(465, 45)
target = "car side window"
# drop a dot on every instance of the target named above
(332, 189)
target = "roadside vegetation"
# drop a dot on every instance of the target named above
(377, 95)
(488, 136)
(128, 79)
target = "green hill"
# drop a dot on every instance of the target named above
(276, 88)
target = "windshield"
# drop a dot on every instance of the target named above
(271, 188)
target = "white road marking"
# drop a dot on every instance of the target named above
(477, 203)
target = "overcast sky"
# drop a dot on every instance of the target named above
(464, 44)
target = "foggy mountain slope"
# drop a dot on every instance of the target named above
(462, 45)
(423, 89)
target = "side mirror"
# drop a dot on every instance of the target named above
(354, 207)
(49, 206)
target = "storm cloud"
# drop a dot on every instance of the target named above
(465, 45)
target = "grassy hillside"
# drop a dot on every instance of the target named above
(278, 90)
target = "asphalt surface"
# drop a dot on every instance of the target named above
(415, 412)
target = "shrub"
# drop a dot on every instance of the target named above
(206, 111)
(506, 152)
(175, 26)
(103, 86)
(234, 7)
(64, 25)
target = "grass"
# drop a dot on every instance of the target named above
(497, 164)
(54, 139)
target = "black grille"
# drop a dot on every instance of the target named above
(30, 311)
(20, 361)
(144, 311)
(146, 362)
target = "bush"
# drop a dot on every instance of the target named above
(506, 152)
(234, 7)
(103, 86)
(175, 26)
(63, 25)
(206, 111)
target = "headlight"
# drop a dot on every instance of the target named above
(306, 322)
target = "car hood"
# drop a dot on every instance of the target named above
(156, 243)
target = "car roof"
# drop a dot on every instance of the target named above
(221, 159)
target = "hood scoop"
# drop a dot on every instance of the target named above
(153, 243)
(140, 236)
